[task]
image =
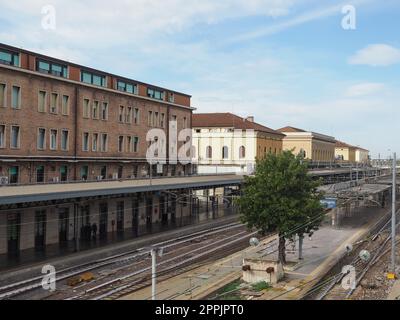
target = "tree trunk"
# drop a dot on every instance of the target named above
(282, 249)
(301, 238)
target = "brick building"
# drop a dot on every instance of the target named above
(62, 122)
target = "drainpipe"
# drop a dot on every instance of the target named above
(76, 131)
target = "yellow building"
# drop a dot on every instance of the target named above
(345, 152)
(314, 146)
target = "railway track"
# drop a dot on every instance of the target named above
(330, 287)
(118, 262)
(169, 267)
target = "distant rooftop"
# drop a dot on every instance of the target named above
(290, 129)
(341, 144)
(228, 120)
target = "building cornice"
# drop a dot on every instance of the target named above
(86, 85)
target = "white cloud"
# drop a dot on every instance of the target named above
(308, 16)
(376, 55)
(103, 22)
(364, 89)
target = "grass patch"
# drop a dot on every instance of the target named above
(230, 297)
(230, 291)
(230, 287)
(260, 286)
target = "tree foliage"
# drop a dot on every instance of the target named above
(281, 197)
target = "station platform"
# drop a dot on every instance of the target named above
(321, 253)
(30, 265)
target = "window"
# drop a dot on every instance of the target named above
(209, 152)
(121, 144)
(41, 141)
(64, 140)
(171, 97)
(128, 115)
(95, 110)
(52, 68)
(136, 115)
(104, 111)
(2, 136)
(155, 94)
(2, 95)
(16, 97)
(53, 139)
(15, 137)
(85, 142)
(104, 142)
(156, 119)
(135, 144)
(9, 58)
(121, 115)
(129, 144)
(126, 87)
(225, 152)
(150, 119)
(54, 103)
(14, 175)
(42, 101)
(184, 123)
(162, 120)
(86, 108)
(84, 173)
(242, 152)
(95, 139)
(65, 105)
(93, 78)
(40, 174)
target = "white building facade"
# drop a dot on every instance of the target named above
(223, 150)
(227, 143)
(362, 155)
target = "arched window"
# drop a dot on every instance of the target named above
(242, 152)
(225, 152)
(209, 152)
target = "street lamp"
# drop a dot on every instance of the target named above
(393, 253)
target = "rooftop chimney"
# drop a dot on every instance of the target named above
(250, 119)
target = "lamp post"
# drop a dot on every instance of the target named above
(154, 252)
(393, 255)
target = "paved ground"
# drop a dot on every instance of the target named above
(395, 291)
(321, 252)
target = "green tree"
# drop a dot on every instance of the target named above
(281, 197)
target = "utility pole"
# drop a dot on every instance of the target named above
(394, 215)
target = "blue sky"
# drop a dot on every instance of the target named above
(285, 62)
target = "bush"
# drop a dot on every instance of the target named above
(260, 286)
